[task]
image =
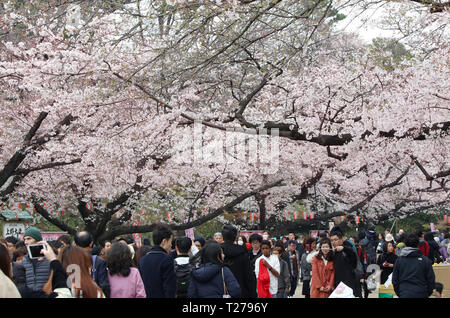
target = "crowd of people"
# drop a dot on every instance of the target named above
(228, 265)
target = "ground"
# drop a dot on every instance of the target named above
(298, 292)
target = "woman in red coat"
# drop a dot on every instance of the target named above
(322, 282)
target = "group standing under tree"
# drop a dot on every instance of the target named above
(225, 266)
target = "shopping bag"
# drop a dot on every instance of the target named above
(342, 291)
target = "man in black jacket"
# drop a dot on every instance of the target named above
(236, 257)
(413, 275)
(344, 262)
(157, 268)
(99, 272)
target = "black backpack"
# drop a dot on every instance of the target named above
(370, 250)
(183, 275)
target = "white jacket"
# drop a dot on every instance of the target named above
(7, 288)
(310, 256)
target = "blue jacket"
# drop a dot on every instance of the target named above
(370, 244)
(99, 273)
(207, 282)
(158, 274)
(413, 275)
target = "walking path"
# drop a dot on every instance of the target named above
(298, 292)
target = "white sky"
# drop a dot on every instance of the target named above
(366, 24)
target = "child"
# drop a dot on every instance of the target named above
(284, 281)
(267, 269)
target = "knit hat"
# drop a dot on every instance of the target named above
(34, 233)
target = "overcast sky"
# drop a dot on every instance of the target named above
(366, 24)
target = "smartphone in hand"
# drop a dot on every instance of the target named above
(34, 250)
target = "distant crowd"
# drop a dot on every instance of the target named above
(228, 265)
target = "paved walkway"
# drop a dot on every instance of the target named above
(298, 292)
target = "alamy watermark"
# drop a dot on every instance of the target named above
(259, 148)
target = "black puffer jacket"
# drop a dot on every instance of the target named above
(413, 275)
(236, 257)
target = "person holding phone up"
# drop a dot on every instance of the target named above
(59, 288)
(37, 270)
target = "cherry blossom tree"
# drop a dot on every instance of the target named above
(178, 105)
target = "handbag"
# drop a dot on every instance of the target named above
(225, 290)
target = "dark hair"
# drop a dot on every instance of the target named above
(387, 243)
(244, 239)
(229, 233)
(201, 240)
(266, 242)
(65, 239)
(308, 240)
(255, 237)
(12, 240)
(127, 240)
(446, 235)
(20, 244)
(5, 261)
(429, 236)
(147, 242)
(361, 236)
(439, 287)
(21, 251)
(184, 244)
(279, 244)
(336, 231)
(330, 255)
(96, 250)
(323, 235)
(55, 245)
(412, 240)
(292, 242)
(141, 252)
(401, 238)
(119, 259)
(160, 233)
(419, 233)
(211, 253)
(83, 239)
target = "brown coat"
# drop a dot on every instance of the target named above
(321, 276)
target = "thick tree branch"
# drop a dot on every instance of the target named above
(126, 229)
(46, 166)
(16, 160)
(440, 174)
(54, 221)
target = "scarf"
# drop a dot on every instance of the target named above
(263, 282)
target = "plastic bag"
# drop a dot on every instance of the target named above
(342, 291)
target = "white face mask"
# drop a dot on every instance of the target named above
(240, 243)
(265, 237)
